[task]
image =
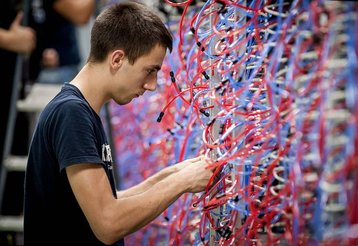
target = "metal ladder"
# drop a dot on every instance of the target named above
(37, 98)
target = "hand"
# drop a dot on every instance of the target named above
(180, 165)
(196, 173)
(19, 38)
(50, 58)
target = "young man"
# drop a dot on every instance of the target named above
(70, 193)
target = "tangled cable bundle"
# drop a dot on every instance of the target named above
(268, 91)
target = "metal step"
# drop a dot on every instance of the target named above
(12, 223)
(38, 97)
(15, 163)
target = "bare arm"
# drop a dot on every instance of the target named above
(77, 11)
(111, 219)
(18, 38)
(157, 177)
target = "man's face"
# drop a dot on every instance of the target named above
(135, 79)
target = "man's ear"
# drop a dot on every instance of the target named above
(116, 59)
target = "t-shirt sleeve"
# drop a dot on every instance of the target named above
(74, 135)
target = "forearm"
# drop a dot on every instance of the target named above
(3, 39)
(17, 38)
(112, 219)
(154, 179)
(148, 183)
(77, 11)
(137, 211)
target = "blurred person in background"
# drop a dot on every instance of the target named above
(24, 51)
(16, 43)
(58, 47)
(15, 39)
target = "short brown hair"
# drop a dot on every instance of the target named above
(130, 26)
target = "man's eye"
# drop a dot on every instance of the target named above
(151, 71)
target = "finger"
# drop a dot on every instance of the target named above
(18, 19)
(195, 159)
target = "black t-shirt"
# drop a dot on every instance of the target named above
(69, 132)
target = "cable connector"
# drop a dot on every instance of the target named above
(211, 122)
(206, 75)
(171, 73)
(159, 119)
(222, 9)
(171, 132)
(224, 232)
(204, 112)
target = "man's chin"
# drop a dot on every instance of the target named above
(124, 102)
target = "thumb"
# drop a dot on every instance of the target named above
(18, 19)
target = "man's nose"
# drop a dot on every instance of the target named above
(151, 84)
